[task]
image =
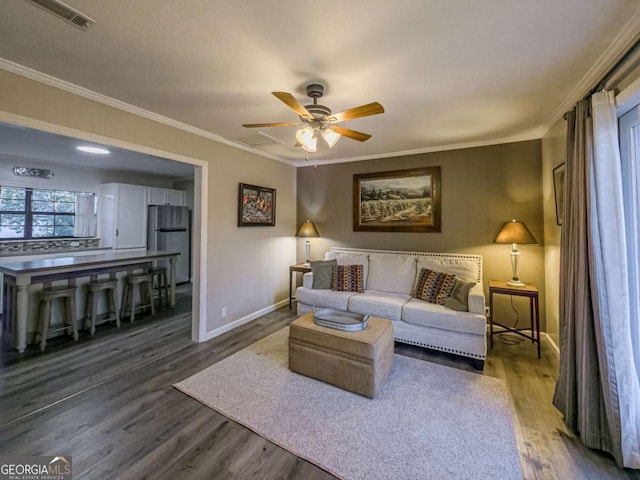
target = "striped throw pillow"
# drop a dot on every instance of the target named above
(347, 278)
(434, 287)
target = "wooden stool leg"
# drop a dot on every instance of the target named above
(150, 293)
(126, 302)
(153, 287)
(132, 304)
(88, 309)
(165, 282)
(113, 300)
(71, 308)
(45, 319)
(94, 313)
(123, 307)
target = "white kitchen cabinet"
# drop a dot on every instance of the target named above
(166, 196)
(124, 215)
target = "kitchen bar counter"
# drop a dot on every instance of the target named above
(23, 274)
(58, 252)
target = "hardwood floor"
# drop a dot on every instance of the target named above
(108, 402)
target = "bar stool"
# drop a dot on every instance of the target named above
(143, 281)
(47, 297)
(163, 284)
(94, 287)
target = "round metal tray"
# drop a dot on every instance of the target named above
(339, 319)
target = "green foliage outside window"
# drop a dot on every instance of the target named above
(36, 213)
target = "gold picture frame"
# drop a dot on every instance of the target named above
(398, 201)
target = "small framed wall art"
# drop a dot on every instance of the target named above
(397, 201)
(256, 206)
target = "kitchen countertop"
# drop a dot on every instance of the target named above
(80, 262)
(52, 251)
(19, 275)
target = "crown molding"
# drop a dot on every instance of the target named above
(40, 77)
(533, 135)
(621, 44)
(112, 102)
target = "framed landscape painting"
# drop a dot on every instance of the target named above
(397, 201)
(256, 206)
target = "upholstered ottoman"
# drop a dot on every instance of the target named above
(356, 361)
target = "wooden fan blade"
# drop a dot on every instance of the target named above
(353, 134)
(290, 101)
(357, 112)
(260, 125)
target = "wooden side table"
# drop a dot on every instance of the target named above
(299, 267)
(529, 291)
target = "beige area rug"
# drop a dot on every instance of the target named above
(428, 422)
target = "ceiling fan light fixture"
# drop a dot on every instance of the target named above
(311, 146)
(304, 135)
(319, 120)
(330, 137)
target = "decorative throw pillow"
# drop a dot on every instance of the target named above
(322, 272)
(434, 287)
(347, 278)
(459, 298)
(352, 259)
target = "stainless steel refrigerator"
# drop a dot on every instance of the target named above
(169, 230)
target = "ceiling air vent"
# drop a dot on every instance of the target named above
(260, 139)
(65, 12)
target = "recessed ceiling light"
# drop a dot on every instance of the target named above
(95, 150)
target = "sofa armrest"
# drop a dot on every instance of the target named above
(307, 280)
(476, 299)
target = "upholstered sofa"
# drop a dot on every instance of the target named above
(389, 292)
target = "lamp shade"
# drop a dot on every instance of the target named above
(515, 232)
(308, 229)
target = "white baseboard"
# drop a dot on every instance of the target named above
(241, 321)
(543, 335)
(553, 344)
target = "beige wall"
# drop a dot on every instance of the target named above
(553, 154)
(247, 267)
(481, 189)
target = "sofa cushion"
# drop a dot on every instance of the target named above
(391, 273)
(323, 298)
(459, 298)
(349, 259)
(476, 299)
(464, 269)
(379, 304)
(347, 278)
(427, 314)
(322, 273)
(434, 287)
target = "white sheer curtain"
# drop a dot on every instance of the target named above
(610, 281)
(85, 221)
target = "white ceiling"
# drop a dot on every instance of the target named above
(27, 147)
(449, 73)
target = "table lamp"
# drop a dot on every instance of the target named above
(308, 229)
(515, 233)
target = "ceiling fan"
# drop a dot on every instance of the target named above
(318, 120)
